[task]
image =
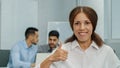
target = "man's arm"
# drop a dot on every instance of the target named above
(15, 56)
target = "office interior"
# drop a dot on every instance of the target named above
(17, 15)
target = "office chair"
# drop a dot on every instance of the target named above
(4, 57)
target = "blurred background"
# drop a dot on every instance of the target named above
(46, 15)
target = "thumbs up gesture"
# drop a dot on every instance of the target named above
(59, 55)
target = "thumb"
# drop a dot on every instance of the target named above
(60, 45)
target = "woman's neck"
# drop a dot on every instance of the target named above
(85, 44)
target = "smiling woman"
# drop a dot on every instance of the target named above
(59, 12)
(85, 43)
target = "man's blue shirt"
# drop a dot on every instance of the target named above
(22, 56)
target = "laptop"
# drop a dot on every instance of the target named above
(41, 57)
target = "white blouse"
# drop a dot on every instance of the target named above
(93, 57)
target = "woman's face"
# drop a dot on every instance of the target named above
(82, 27)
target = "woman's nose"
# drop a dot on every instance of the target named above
(82, 26)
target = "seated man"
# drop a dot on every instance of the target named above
(23, 54)
(52, 42)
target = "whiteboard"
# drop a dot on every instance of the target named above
(63, 28)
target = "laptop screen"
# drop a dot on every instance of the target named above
(41, 56)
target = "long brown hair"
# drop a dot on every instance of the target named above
(92, 15)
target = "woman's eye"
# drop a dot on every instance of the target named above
(87, 22)
(76, 23)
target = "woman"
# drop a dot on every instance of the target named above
(85, 49)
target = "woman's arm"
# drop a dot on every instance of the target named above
(58, 55)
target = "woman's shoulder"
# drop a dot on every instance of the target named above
(107, 48)
(68, 45)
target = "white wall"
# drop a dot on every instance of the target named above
(115, 19)
(52, 11)
(16, 16)
(112, 32)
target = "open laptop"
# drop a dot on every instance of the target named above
(40, 57)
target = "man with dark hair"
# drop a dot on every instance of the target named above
(23, 53)
(52, 42)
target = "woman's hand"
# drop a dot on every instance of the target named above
(59, 55)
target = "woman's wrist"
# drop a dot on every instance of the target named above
(46, 63)
(50, 59)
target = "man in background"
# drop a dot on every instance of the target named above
(23, 53)
(53, 40)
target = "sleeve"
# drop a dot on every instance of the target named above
(35, 54)
(16, 62)
(113, 61)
